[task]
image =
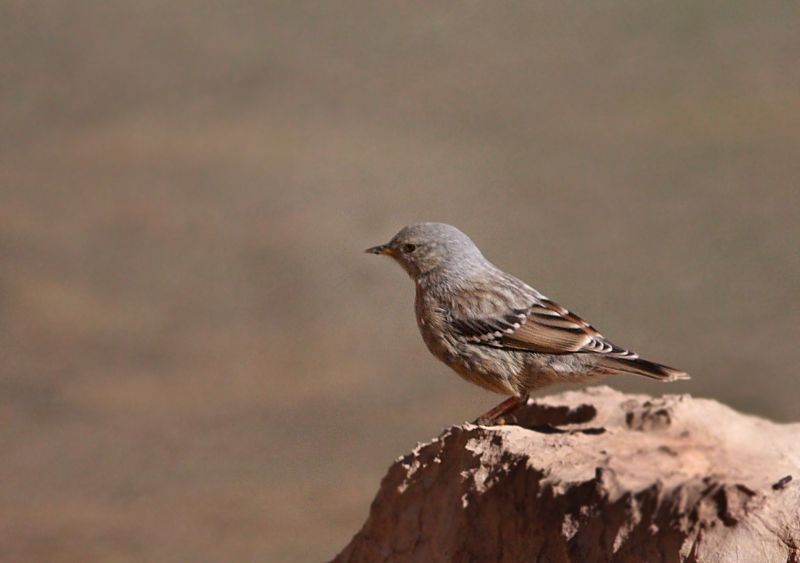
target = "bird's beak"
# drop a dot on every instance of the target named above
(380, 249)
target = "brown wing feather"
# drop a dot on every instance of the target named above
(547, 327)
(544, 326)
(541, 337)
(552, 329)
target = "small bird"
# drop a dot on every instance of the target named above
(496, 331)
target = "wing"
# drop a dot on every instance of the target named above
(543, 326)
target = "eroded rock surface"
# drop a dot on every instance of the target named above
(594, 475)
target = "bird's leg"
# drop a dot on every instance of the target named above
(492, 415)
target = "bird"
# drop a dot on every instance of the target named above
(496, 331)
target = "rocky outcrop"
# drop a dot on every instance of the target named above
(594, 475)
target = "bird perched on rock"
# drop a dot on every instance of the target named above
(496, 331)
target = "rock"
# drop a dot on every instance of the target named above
(594, 475)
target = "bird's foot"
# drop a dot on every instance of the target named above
(501, 414)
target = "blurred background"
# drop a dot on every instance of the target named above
(198, 361)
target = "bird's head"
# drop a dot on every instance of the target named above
(427, 247)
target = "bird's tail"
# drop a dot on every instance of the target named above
(639, 366)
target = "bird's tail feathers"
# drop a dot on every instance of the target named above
(639, 366)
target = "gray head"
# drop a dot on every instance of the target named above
(427, 247)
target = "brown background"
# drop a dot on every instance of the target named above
(199, 363)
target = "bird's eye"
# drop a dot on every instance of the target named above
(409, 248)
